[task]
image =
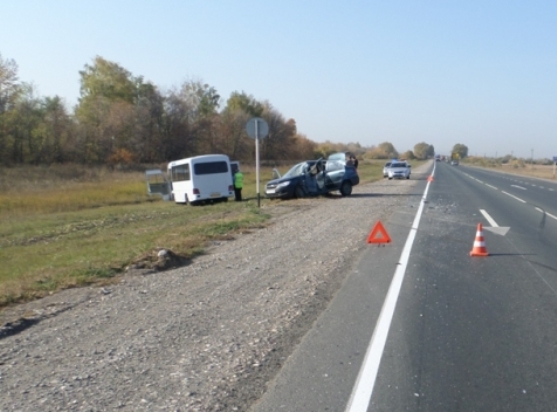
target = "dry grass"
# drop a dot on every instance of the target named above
(541, 171)
(515, 166)
(68, 226)
(65, 228)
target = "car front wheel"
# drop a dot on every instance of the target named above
(346, 188)
(299, 192)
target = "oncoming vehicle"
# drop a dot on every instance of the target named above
(201, 179)
(315, 177)
(399, 170)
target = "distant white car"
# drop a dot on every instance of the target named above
(398, 170)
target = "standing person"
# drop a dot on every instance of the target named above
(238, 185)
(355, 160)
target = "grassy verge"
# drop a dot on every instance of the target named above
(517, 167)
(71, 226)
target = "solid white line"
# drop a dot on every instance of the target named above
(548, 214)
(363, 389)
(491, 221)
(513, 196)
(493, 187)
(519, 187)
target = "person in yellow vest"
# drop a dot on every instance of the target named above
(238, 185)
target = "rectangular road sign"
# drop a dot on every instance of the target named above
(555, 158)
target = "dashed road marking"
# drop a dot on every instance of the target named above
(513, 196)
(548, 214)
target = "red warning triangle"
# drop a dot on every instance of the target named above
(378, 229)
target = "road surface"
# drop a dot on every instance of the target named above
(467, 333)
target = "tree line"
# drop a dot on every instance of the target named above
(122, 119)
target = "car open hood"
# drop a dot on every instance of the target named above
(278, 181)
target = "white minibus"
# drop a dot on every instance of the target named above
(201, 179)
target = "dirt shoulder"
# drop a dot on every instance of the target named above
(206, 337)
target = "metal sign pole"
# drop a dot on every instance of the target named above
(257, 161)
(257, 128)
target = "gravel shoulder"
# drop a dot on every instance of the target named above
(205, 337)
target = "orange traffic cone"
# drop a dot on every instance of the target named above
(479, 244)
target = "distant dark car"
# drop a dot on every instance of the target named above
(315, 177)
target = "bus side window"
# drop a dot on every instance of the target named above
(181, 173)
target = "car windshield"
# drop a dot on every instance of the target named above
(339, 157)
(398, 165)
(296, 170)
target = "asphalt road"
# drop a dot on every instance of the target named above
(467, 333)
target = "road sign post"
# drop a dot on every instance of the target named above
(257, 128)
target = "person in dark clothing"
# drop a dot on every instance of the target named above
(354, 161)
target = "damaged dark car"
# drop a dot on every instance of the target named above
(315, 177)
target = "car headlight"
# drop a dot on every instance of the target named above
(283, 184)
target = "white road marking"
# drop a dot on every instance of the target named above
(495, 228)
(548, 214)
(519, 187)
(493, 187)
(513, 196)
(491, 221)
(363, 388)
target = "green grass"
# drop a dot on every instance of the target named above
(59, 231)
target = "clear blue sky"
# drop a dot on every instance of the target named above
(478, 72)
